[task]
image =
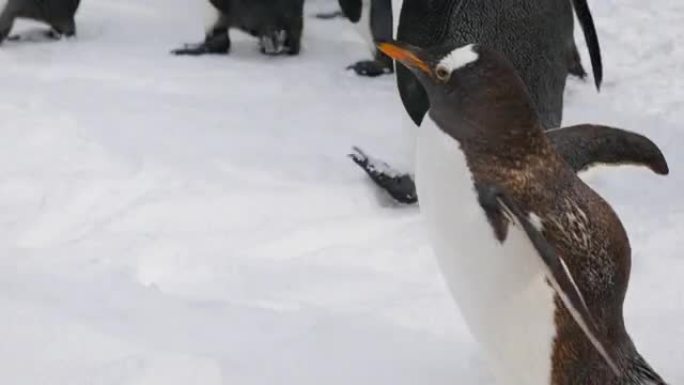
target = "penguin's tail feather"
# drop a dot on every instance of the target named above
(639, 372)
(587, 23)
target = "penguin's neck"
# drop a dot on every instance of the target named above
(508, 141)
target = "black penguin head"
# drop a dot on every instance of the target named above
(473, 90)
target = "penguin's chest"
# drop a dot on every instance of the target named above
(500, 288)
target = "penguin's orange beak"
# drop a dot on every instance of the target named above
(405, 55)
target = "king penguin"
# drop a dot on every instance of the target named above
(374, 21)
(537, 261)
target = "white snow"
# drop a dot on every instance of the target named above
(169, 220)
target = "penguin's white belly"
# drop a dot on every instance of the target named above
(500, 289)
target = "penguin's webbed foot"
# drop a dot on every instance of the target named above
(399, 186)
(214, 45)
(370, 68)
(329, 15)
(53, 34)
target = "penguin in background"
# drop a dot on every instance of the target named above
(374, 21)
(278, 24)
(537, 261)
(537, 36)
(58, 14)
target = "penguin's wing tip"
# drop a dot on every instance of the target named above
(587, 145)
(659, 165)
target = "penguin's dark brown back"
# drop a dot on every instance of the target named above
(585, 231)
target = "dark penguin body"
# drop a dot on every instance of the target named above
(538, 262)
(374, 19)
(536, 36)
(277, 23)
(58, 14)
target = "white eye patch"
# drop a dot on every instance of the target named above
(460, 57)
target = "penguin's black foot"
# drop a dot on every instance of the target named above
(65, 28)
(214, 45)
(4, 35)
(399, 186)
(199, 49)
(370, 68)
(329, 15)
(53, 34)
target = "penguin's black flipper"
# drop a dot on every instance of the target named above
(587, 23)
(352, 9)
(502, 211)
(587, 145)
(399, 186)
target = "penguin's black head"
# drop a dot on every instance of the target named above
(473, 90)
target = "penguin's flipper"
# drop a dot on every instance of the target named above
(352, 9)
(501, 211)
(587, 23)
(399, 186)
(587, 145)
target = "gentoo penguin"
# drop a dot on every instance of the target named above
(535, 35)
(58, 14)
(538, 262)
(373, 20)
(277, 23)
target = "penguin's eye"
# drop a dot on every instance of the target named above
(442, 73)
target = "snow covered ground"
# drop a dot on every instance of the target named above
(170, 220)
